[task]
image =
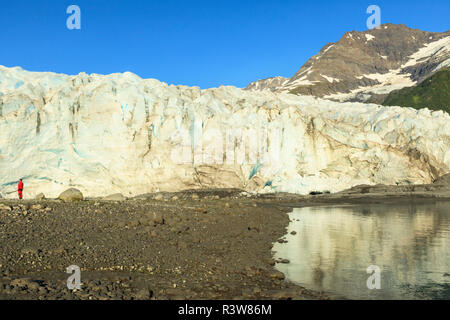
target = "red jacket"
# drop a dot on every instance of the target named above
(20, 188)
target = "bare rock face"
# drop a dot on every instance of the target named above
(115, 197)
(71, 194)
(440, 185)
(368, 65)
(443, 180)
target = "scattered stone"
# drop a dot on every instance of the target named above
(285, 295)
(20, 282)
(277, 275)
(256, 290)
(157, 217)
(5, 207)
(143, 294)
(40, 196)
(271, 262)
(115, 197)
(33, 286)
(71, 194)
(37, 207)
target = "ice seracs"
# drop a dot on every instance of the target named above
(122, 134)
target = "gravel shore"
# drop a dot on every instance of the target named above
(166, 246)
(195, 244)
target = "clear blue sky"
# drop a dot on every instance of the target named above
(203, 43)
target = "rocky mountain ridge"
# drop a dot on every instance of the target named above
(366, 66)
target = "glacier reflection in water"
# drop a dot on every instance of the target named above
(334, 245)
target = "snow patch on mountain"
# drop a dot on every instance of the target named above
(330, 79)
(398, 78)
(369, 37)
(439, 47)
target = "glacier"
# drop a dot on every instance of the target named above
(106, 134)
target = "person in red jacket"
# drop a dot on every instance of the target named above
(20, 189)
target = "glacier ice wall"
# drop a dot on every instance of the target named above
(121, 133)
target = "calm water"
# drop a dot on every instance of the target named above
(334, 246)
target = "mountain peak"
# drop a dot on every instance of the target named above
(365, 64)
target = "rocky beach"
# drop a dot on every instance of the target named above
(195, 244)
